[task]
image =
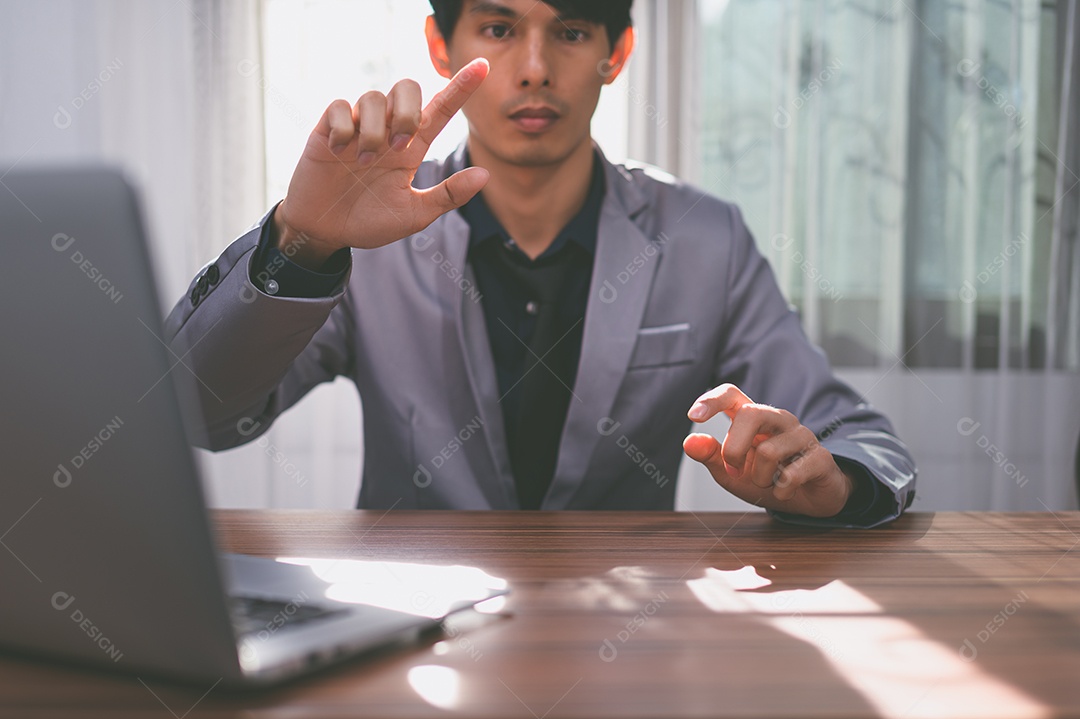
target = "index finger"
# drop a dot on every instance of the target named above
(754, 424)
(726, 398)
(449, 100)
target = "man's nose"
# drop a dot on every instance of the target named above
(534, 70)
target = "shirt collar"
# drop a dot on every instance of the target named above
(581, 229)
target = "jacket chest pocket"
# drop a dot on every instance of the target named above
(664, 346)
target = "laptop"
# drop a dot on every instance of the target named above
(106, 551)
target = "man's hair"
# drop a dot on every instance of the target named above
(614, 15)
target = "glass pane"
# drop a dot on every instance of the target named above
(884, 155)
(972, 189)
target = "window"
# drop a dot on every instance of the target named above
(898, 165)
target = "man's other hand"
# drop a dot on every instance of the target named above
(768, 457)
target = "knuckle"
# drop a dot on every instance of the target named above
(720, 391)
(769, 452)
(342, 127)
(450, 198)
(451, 94)
(755, 411)
(823, 462)
(764, 480)
(787, 479)
(407, 120)
(773, 411)
(730, 454)
(444, 106)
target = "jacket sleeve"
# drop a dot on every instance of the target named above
(241, 356)
(766, 353)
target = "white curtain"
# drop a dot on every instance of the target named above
(910, 170)
(151, 86)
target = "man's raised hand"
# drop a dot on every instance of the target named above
(353, 184)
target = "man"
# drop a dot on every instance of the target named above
(528, 325)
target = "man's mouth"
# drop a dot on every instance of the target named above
(534, 119)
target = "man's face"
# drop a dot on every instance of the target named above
(546, 73)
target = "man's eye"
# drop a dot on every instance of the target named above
(575, 35)
(497, 32)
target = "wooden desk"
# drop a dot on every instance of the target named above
(653, 614)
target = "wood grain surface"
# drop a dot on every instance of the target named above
(668, 614)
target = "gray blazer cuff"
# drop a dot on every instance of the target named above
(890, 466)
(237, 341)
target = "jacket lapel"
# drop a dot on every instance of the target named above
(476, 349)
(623, 271)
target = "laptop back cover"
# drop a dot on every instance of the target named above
(107, 555)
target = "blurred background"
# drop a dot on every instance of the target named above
(909, 167)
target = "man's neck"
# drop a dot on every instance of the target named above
(534, 203)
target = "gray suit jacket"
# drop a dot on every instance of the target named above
(680, 302)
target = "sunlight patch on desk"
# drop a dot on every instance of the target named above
(731, 591)
(903, 673)
(890, 662)
(439, 686)
(621, 589)
(423, 590)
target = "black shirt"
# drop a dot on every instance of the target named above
(534, 311)
(510, 309)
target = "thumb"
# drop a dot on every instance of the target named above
(703, 448)
(453, 192)
(706, 449)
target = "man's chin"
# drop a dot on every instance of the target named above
(535, 152)
(537, 157)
